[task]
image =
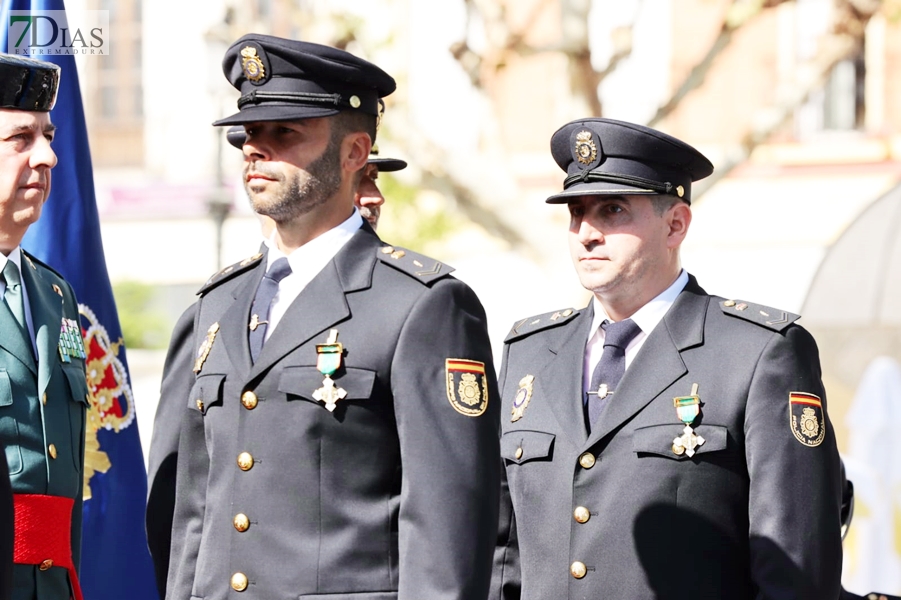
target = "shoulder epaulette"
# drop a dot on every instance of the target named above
(765, 316)
(417, 266)
(537, 323)
(229, 272)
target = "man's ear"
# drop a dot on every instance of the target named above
(355, 151)
(678, 219)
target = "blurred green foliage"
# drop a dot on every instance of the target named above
(409, 220)
(142, 325)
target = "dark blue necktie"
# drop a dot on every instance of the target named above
(259, 311)
(611, 367)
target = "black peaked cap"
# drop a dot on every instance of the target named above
(606, 157)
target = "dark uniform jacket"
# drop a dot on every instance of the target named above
(43, 404)
(618, 515)
(392, 495)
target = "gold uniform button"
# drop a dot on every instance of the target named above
(578, 570)
(52, 450)
(249, 400)
(581, 514)
(587, 460)
(45, 565)
(518, 453)
(729, 303)
(242, 523)
(239, 582)
(245, 461)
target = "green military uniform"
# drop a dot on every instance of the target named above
(43, 402)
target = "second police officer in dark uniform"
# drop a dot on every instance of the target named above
(338, 437)
(662, 442)
(162, 461)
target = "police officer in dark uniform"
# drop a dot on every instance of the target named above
(338, 434)
(43, 390)
(662, 442)
(163, 457)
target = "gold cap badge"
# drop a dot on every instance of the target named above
(252, 65)
(585, 148)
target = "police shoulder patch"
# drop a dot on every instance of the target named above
(529, 326)
(806, 418)
(418, 266)
(771, 318)
(467, 386)
(229, 272)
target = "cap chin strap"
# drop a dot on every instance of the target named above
(255, 97)
(664, 187)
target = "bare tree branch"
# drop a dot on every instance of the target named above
(738, 14)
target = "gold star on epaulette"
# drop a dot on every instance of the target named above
(528, 326)
(229, 272)
(416, 265)
(771, 318)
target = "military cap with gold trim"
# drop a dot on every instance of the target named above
(604, 156)
(27, 84)
(282, 80)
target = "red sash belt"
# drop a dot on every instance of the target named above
(43, 534)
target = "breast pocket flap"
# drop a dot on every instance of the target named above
(207, 391)
(304, 381)
(659, 439)
(78, 384)
(523, 446)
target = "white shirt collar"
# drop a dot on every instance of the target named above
(323, 246)
(648, 316)
(15, 256)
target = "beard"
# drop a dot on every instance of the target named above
(371, 214)
(300, 193)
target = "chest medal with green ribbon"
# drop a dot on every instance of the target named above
(687, 409)
(328, 361)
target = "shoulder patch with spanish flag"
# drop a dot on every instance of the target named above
(467, 386)
(808, 422)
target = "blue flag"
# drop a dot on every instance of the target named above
(115, 562)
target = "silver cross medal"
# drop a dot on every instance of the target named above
(687, 442)
(330, 394)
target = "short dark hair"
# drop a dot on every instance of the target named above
(346, 122)
(663, 203)
(351, 122)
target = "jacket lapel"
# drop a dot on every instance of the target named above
(46, 314)
(236, 320)
(17, 345)
(561, 383)
(659, 362)
(321, 304)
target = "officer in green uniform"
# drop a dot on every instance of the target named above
(43, 391)
(338, 432)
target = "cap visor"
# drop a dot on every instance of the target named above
(600, 188)
(387, 165)
(275, 112)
